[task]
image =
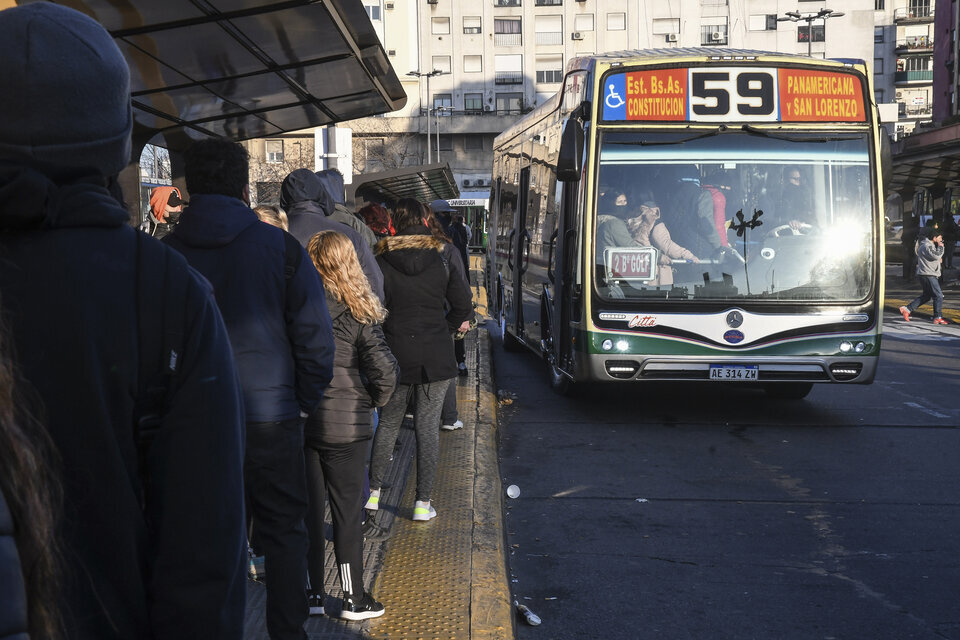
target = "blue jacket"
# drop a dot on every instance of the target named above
(68, 263)
(280, 329)
(13, 597)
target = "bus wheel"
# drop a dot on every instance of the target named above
(560, 383)
(788, 390)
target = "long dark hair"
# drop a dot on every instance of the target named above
(408, 213)
(27, 479)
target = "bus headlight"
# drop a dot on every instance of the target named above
(622, 345)
(846, 347)
(859, 347)
(606, 345)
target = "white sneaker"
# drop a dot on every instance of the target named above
(452, 427)
(373, 502)
(422, 511)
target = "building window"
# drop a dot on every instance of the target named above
(548, 3)
(583, 22)
(373, 12)
(877, 66)
(472, 64)
(508, 69)
(713, 3)
(440, 26)
(472, 24)
(616, 21)
(509, 103)
(445, 143)
(473, 103)
(550, 69)
(803, 33)
(878, 5)
(713, 34)
(879, 96)
(549, 29)
(273, 150)
(664, 26)
(506, 3)
(443, 103)
(441, 63)
(507, 32)
(473, 143)
(763, 22)
(878, 34)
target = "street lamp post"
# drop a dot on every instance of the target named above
(810, 18)
(428, 75)
(437, 112)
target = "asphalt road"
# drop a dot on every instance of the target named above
(707, 511)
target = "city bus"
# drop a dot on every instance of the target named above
(694, 214)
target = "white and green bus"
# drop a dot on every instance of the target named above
(694, 214)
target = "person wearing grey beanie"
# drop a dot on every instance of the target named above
(142, 552)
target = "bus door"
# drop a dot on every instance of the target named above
(566, 293)
(519, 256)
(535, 236)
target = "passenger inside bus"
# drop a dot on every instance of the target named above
(648, 230)
(689, 210)
(795, 207)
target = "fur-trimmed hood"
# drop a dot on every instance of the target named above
(411, 253)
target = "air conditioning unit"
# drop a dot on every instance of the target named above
(577, 35)
(432, 1)
(716, 36)
(482, 182)
(671, 37)
(388, 5)
(468, 183)
(391, 52)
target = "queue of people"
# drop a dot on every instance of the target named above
(243, 387)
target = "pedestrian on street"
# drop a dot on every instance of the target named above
(929, 253)
(275, 310)
(427, 301)
(135, 383)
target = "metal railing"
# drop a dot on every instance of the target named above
(913, 13)
(508, 77)
(506, 3)
(507, 39)
(913, 76)
(915, 42)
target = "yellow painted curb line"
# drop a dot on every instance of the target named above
(893, 304)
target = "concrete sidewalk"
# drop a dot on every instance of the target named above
(900, 291)
(443, 579)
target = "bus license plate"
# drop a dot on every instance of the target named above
(739, 372)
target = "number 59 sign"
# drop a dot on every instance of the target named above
(725, 94)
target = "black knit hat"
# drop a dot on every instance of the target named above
(65, 88)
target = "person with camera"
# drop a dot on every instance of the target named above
(929, 253)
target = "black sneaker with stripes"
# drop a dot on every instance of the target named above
(361, 608)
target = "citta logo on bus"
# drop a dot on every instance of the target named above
(642, 321)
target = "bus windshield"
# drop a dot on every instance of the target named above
(737, 214)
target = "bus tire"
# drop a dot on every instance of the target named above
(788, 390)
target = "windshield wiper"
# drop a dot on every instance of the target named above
(645, 143)
(793, 138)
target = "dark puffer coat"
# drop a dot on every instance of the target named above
(344, 412)
(13, 597)
(420, 276)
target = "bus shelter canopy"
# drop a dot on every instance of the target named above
(424, 183)
(928, 159)
(242, 69)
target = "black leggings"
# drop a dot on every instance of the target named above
(337, 470)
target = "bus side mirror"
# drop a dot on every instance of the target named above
(570, 158)
(886, 161)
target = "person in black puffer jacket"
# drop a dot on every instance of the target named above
(338, 432)
(421, 275)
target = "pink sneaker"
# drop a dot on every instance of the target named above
(906, 313)
(940, 321)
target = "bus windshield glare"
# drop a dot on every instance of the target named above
(744, 214)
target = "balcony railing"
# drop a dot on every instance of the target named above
(915, 43)
(506, 3)
(917, 14)
(548, 3)
(507, 39)
(508, 77)
(913, 76)
(549, 37)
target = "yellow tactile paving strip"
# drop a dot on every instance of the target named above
(446, 579)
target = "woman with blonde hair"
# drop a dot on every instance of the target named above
(272, 215)
(337, 434)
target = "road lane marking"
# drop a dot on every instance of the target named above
(930, 412)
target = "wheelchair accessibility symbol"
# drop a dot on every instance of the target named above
(613, 99)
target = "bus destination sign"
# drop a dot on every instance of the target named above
(724, 94)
